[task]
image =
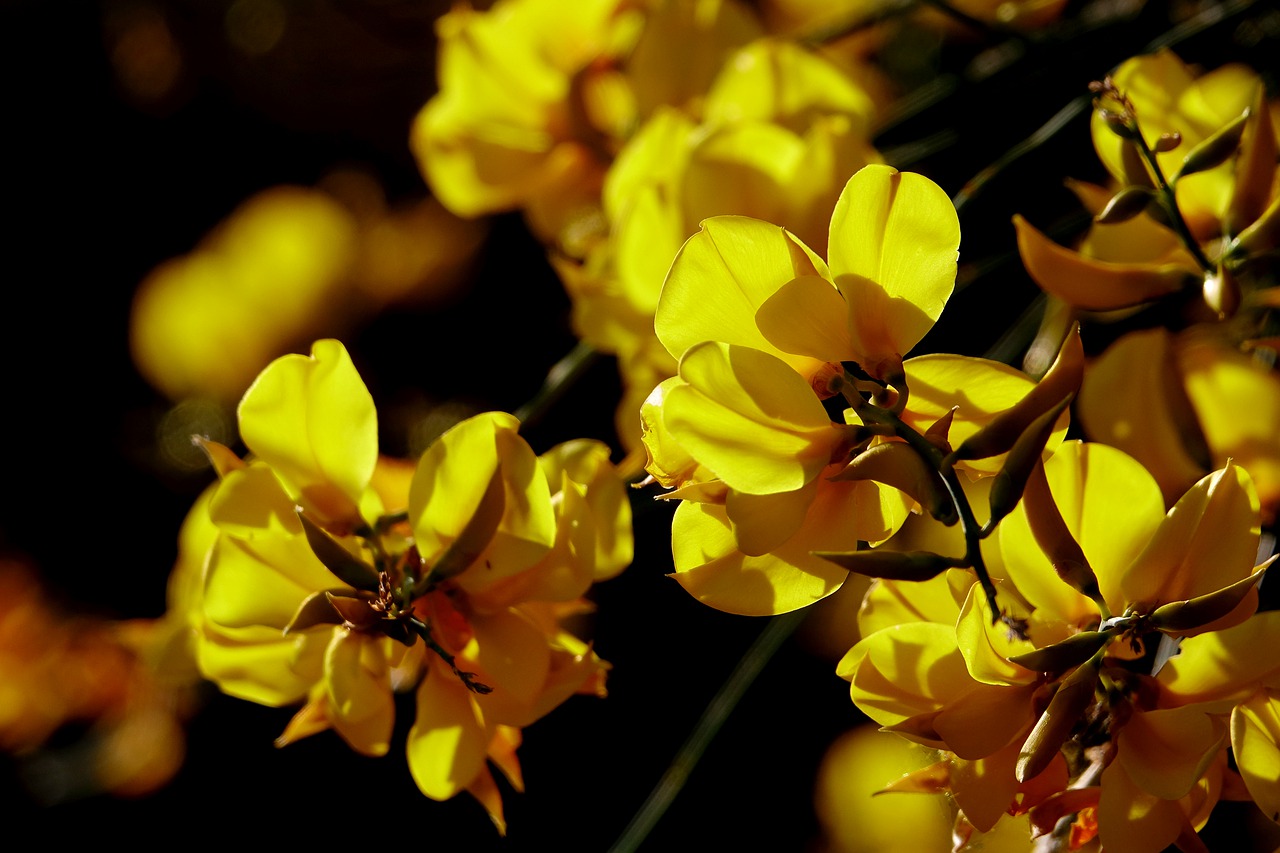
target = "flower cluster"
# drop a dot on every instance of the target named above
(1066, 653)
(1179, 257)
(335, 577)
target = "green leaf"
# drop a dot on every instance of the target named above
(892, 565)
(314, 610)
(1215, 150)
(476, 535)
(344, 565)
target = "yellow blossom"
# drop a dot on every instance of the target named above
(337, 579)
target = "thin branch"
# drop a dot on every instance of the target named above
(717, 711)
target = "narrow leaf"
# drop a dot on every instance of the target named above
(476, 535)
(344, 565)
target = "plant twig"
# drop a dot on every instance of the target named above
(717, 711)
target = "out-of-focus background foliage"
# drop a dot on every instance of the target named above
(133, 127)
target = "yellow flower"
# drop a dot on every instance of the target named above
(1168, 98)
(761, 323)
(774, 138)
(337, 579)
(286, 262)
(536, 96)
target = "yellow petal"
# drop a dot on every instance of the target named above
(905, 671)
(447, 744)
(261, 583)
(512, 657)
(586, 462)
(1132, 400)
(359, 691)
(977, 388)
(1206, 542)
(249, 503)
(761, 523)
(806, 317)
(1109, 503)
(1131, 820)
(986, 720)
(450, 483)
(984, 789)
(1166, 752)
(1255, 740)
(1237, 402)
(711, 568)
(1223, 664)
(893, 251)
(750, 419)
(938, 599)
(313, 421)
(258, 664)
(778, 81)
(721, 277)
(668, 462)
(987, 645)
(1093, 284)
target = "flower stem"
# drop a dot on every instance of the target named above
(559, 379)
(708, 725)
(1168, 199)
(934, 457)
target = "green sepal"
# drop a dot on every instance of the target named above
(1215, 150)
(314, 610)
(1074, 695)
(354, 609)
(1062, 656)
(345, 566)
(1011, 480)
(475, 536)
(892, 565)
(1177, 616)
(1125, 205)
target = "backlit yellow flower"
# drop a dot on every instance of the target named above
(337, 579)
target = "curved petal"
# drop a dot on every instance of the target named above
(907, 670)
(448, 742)
(1110, 504)
(586, 462)
(257, 664)
(1237, 402)
(513, 658)
(710, 566)
(750, 419)
(1207, 541)
(938, 599)
(1225, 664)
(1092, 284)
(1255, 740)
(806, 317)
(249, 503)
(721, 277)
(261, 583)
(358, 685)
(313, 421)
(763, 522)
(979, 387)
(1131, 820)
(893, 243)
(1166, 752)
(449, 486)
(1132, 400)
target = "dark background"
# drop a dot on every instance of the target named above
(101, 185)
